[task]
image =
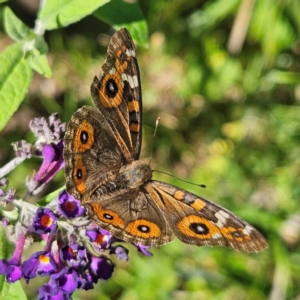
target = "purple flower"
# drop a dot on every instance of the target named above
(67, 280)
(69, 206)
(100, 268)
(86, 282)
(101, 237)
(5, 222)
(13, 272)
(12, 268)
(53, 162)
(44, 221)
(74, 255)
(51, 291)
(144, 249)
(121, 252)
(40, 263)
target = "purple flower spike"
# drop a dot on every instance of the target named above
(74, 255)
(53, 162)
(101, 237)
(51, 131)
(40, 263)
(144, 249)
(44, 221)
(100, 268)
(69, 206)
(22, 149)
(3, 182)
(6, 195)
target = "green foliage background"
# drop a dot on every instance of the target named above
(229, 121)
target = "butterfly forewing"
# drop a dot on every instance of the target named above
(89, 160)
(116, 92)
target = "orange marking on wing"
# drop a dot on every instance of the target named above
(232, 233)
(179, 195)
(134, 127)
(107, 216)
(122, 60)
(121, 67)
(133, 229)
(78, 146)
(115, 101)
(79, 182)
(185, 227)
(198, 204)
(133, 106)
(119, 52)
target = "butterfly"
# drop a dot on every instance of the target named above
(103, 170)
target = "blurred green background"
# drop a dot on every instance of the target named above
(224, 78)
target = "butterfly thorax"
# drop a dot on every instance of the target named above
(134, 175)
(130, 176)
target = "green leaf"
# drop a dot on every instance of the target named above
(10, 214)
(40, 64)
(4, 287)
(14, 27)
(15, 292)
(124, 14)
(5, 253)
(15, 78)
(5, 245)
(57, 14)
(37, 57)
(41, 45)
(47, 199)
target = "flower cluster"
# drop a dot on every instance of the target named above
(77, 253)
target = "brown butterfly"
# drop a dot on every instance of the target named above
(102, 147)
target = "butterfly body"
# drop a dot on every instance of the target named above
(103, 170)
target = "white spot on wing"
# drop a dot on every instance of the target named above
(200, 228)
(247, 230)
(130, 52)
(112, 71)
(216, 236)
(132, 80)
(222, 216)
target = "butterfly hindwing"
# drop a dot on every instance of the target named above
(198, 221)
(132, 216)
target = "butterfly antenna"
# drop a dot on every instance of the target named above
(154, 134)
(200, 185)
